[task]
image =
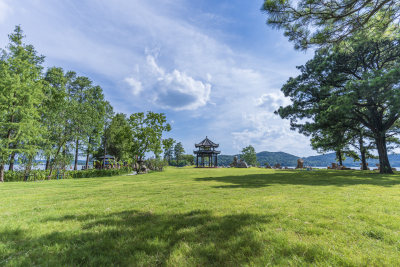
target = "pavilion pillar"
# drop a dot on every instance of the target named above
(197, 160)
(216, 161)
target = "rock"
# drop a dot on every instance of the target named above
(277, 166)
(238, 164)
(242, 164)
(300, 163)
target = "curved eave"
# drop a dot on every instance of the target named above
(200, 145)
(206, 152)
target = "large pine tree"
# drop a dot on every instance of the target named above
(21, 95)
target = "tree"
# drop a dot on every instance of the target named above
(248, 154)
(119, 137)
(178, 151)
(168, 145)
(57, 118)
(356, 85)
(96, 108)
(54, 107)
(147, 130)
(188, 158)
(321, 22)
(20, 99)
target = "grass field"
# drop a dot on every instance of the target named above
(197, 217)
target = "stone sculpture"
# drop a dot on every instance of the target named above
(300, 163)
(238, 164)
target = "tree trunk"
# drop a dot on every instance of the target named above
(384, 164)
(339, 157)
(87, 161)
(87, 154)
(2, 173)
(64, 165)
(105, 144)
(364, 165)
(363, 151)
(28, 169)
(76, 154)
(54, 161)
(47, 163)
(12, 159)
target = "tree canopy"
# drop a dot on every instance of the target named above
(248, 154)
(321, 22)
(352, 85)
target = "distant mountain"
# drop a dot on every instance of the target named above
(290, 160)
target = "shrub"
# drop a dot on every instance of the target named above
(35, 175)
(155, 164)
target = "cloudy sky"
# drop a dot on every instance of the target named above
(213, 67)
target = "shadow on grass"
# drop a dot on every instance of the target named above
(136, 238)
(317, 178)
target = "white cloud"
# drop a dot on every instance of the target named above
(5, 10)
(135, 85)
(175, 90)
(265, 134)
(272, 101)
(179, 91)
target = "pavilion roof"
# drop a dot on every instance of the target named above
(206, 143)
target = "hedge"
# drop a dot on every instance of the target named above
(37, 175)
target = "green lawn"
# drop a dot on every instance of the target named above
(197, 217)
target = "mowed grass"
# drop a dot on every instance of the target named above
(197, 217)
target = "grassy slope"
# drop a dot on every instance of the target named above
(204, 217)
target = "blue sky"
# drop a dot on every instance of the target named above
(213, 67)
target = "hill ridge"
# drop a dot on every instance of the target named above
(290, 160)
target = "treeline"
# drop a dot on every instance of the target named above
(59, 115)
(174, 154)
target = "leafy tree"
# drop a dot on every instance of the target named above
(331, 139)
(168, 145)
(57, 118)
(54, 107)
(248, 154)
(119, 137)
(20, 98)
(96, 108)
(178, 151)
(357, 85)
(147, 130)
(308, 22)
(188, 158)
(87, 108)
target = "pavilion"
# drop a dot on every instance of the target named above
(206, 150)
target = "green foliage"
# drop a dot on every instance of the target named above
(185, 160)
(21, 95)
(204, 217)
(40, 175)
(178, 151)
(168, 145)
(118, 138)
(147, 130)
(248, 154)
(345, 88)
(156, 164)
(310, 22)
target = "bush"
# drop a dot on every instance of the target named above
(155, 164)
(16, 176)
(34, 175)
